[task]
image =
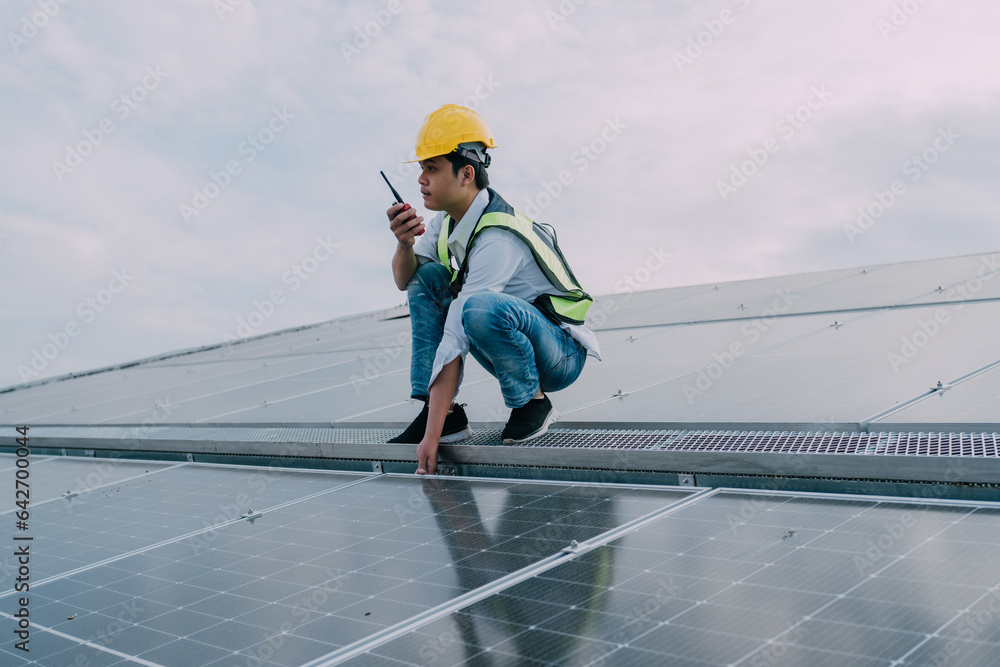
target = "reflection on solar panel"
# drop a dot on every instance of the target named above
(743, 579)
(169, 568)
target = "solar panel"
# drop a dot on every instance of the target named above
(667, 368)
(872, 287)
(746, 579)
(318, 571)
(56, 478)
(972, 401)
(119, 517)
(153, 563)
(834, 375)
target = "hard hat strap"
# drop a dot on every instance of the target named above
(473, 151)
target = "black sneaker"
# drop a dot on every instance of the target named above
(456, 427)
(529, 421)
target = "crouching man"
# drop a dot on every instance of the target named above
(487, 280)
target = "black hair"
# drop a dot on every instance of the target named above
(459, 161)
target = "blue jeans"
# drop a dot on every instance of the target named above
(511, 338)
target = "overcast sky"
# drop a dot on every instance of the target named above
(174, 168)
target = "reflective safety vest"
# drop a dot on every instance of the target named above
(567, 302)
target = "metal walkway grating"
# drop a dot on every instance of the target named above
(755, 442)
(891, 444)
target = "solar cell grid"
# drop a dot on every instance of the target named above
(825, 596)
(319, 573)
(918, 570)
(732, 578)
(136, 513)
(53, 477)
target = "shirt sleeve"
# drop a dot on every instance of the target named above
(494, 260)
(425, 249)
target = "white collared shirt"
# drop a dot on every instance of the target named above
(499, 262)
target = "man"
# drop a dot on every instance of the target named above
(483, 279)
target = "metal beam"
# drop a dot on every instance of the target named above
(946, 469)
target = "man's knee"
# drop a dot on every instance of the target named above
(481, 314)
(428, 277)
(484, 301)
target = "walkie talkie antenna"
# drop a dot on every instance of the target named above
(399, 200)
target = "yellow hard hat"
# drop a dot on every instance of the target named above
(449, 126)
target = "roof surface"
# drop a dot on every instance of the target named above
(148, 547)
(847, 347)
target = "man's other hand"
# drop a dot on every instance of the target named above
(427, 454)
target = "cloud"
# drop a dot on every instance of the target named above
(548, 87)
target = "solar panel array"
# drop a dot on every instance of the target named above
(190, 564)
(147, 562)
(200, 564)
(850, 346)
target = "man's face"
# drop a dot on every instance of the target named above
(439, 184)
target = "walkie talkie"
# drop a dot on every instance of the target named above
(399, 200)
